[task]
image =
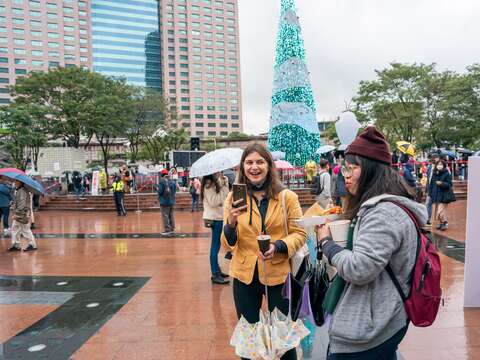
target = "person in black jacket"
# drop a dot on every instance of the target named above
(441, 192)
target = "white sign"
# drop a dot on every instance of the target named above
(56, 166)
(95, 184)
(472, 242)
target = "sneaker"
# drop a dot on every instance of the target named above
(30, 248)
(444, 226)
(14, 248)
(6, 232)
(168, 233)
(217, 279)
(439, 226)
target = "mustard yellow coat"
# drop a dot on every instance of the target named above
(245, 251)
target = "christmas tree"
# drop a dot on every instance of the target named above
(293, 123)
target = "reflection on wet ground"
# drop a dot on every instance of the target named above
(166, 300)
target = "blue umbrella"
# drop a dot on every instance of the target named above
(30, 184)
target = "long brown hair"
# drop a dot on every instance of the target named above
(207, 181)
(376, 179)
(273, 184)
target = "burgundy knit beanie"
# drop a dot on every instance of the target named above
(371, 144)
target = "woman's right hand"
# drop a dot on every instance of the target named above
(236, 211)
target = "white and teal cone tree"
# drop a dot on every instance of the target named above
(293, 122)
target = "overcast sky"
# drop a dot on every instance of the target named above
(346, 40)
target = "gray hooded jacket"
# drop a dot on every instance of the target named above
(370, 310)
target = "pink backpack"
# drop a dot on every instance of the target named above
(423, 301)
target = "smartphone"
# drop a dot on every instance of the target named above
(239, 192)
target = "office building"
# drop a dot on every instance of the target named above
(41, 34)
(126, 41)
(201, 64)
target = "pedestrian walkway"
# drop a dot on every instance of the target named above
(119, 290)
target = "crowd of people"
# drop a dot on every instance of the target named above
(367, 320)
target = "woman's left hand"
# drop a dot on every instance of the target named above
(323, 231)
(269, 254)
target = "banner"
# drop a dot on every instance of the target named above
(95, 183)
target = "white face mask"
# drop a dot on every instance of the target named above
(439, 167)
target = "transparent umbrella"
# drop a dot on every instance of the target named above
(216, 161)
(270, 338)
(325, 149)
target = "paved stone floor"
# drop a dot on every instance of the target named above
(108, 287)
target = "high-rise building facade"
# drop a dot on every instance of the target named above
(36, 35)
(201, 64)
(126, 41)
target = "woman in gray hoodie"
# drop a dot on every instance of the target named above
(369, 319)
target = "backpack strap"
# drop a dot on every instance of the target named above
(388, 268)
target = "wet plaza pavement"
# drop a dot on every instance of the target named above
(108, 287)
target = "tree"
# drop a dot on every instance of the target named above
(394, 101)
(293, 124)
(24, 133)
(65, 94)
(420, 105)
(111, 110)
(149, 113)
(157, 146)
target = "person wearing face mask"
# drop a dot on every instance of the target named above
(368, 319)
(441, 193)
(262, 214)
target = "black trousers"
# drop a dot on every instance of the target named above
(248, 301)
(384, 351)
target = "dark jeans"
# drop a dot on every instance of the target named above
(168, 218)
(429, 207)
(385, 351)
(195, 201)
(4, 213)
(118, 197)
(79, 191)
(248, 300)
(215, 246)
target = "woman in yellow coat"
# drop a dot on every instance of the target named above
(263, 213)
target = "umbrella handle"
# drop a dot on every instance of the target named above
(266, 287)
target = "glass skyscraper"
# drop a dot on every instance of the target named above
(126, 42)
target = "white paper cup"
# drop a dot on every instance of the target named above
(339, 230)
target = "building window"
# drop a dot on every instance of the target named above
(198, 116)
(199, 124)
(20, 71)
(3, 81)
(20, 61)
(235, 126)
(185, 107)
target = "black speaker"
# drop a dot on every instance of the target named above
(195, 143)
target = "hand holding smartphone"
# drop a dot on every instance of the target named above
(239, 193)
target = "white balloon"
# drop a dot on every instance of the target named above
(347, 127)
